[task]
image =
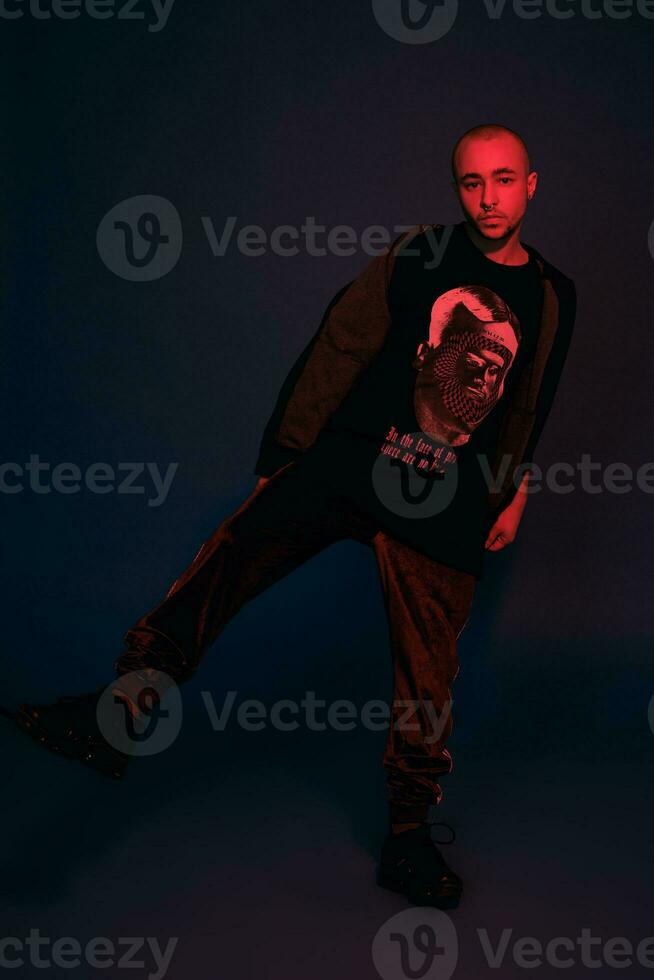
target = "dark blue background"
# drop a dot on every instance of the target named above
(258, 850)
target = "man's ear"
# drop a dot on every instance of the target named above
(532, 183)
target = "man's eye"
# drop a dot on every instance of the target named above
(471, 186)
(506, 180)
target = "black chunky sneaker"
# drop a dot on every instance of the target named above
(70, 728)
(411, 863)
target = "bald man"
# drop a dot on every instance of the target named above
(420, 382)
(493, 179)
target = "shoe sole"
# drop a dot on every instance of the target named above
(84, 752)
(442, 902)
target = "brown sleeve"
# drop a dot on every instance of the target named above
(351, 336)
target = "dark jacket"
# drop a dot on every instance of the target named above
(352, 332)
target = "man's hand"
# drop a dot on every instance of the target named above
(505, 528)
(503, 531)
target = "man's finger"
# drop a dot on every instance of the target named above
(492, 534)
(496, 542)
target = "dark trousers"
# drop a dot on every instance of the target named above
(279, 526)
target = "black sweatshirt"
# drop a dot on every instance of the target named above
(400, 400)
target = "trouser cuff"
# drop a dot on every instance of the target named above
(151, 648)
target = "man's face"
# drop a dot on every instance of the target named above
(494, 173)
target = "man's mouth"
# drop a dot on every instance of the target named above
(474, 391)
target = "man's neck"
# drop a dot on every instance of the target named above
(504, 251)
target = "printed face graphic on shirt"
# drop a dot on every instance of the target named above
(473, 340)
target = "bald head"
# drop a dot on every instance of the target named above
(489, 131)
(493, 181)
